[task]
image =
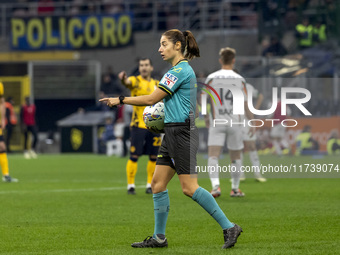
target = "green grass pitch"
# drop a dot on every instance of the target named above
(77, 204)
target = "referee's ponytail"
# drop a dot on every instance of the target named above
(192, 49)
(189, 47)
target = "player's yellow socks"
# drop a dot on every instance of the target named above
(131, 170)
(150, 168)
(4, 163)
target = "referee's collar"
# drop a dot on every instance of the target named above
(184, 59)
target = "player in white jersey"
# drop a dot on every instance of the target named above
(229, 85)
(249, 141)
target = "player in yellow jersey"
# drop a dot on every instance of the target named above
(143, 141)
(3, 155)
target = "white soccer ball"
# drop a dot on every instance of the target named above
(153, 116)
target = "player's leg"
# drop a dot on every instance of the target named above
(235, 157)
(150, 169)
(26, 154)
(136, 149)
(152, 144)
(34, 134)
(235, 147)
(254, 159)
(163, 174)
(165, 170)
(216, 141)
(213, 154)
(4, 161)
(243, 175)
(245, 137)
(201, 196)
(131, 170)
(186, 170)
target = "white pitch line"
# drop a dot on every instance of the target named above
(65, 190)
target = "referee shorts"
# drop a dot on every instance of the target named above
(179, 148)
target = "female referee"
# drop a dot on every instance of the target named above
(178, 91)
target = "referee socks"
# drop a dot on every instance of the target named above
(208, 202)
(161, 210)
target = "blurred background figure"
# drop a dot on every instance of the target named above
(11, 121)
(305, 144)
(304, 34)
(278, 131)
(3, 155)
(143, 141)
(121, 130)
(264, 143)
(110, 85)
(275, 48)
(250, 141)
(127, 115)
(333, 144)
(98, 106)
(319, 32)
(28, 125)
(45, 7)
(107, 135)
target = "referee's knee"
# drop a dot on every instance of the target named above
(188, 192)
(157, 186)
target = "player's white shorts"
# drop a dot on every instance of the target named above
(217, 136)
(246, 135)
(278, 131)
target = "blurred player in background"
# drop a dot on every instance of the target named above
(249, 141)
(11, 121)
(27, 115)
(233, 133)
(178, 90)
(3, 155)
(278, 131)
(143, 141)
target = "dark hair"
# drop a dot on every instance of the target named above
(189, 47)
(227, 55)
(142, 59)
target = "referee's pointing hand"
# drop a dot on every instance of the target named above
(110, 101)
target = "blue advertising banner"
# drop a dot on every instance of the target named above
(71, 33)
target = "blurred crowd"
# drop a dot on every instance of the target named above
(235, 14)
(301, 24)
(285, 14)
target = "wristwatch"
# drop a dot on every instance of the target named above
(121, 98)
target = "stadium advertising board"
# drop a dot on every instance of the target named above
(71, 33)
